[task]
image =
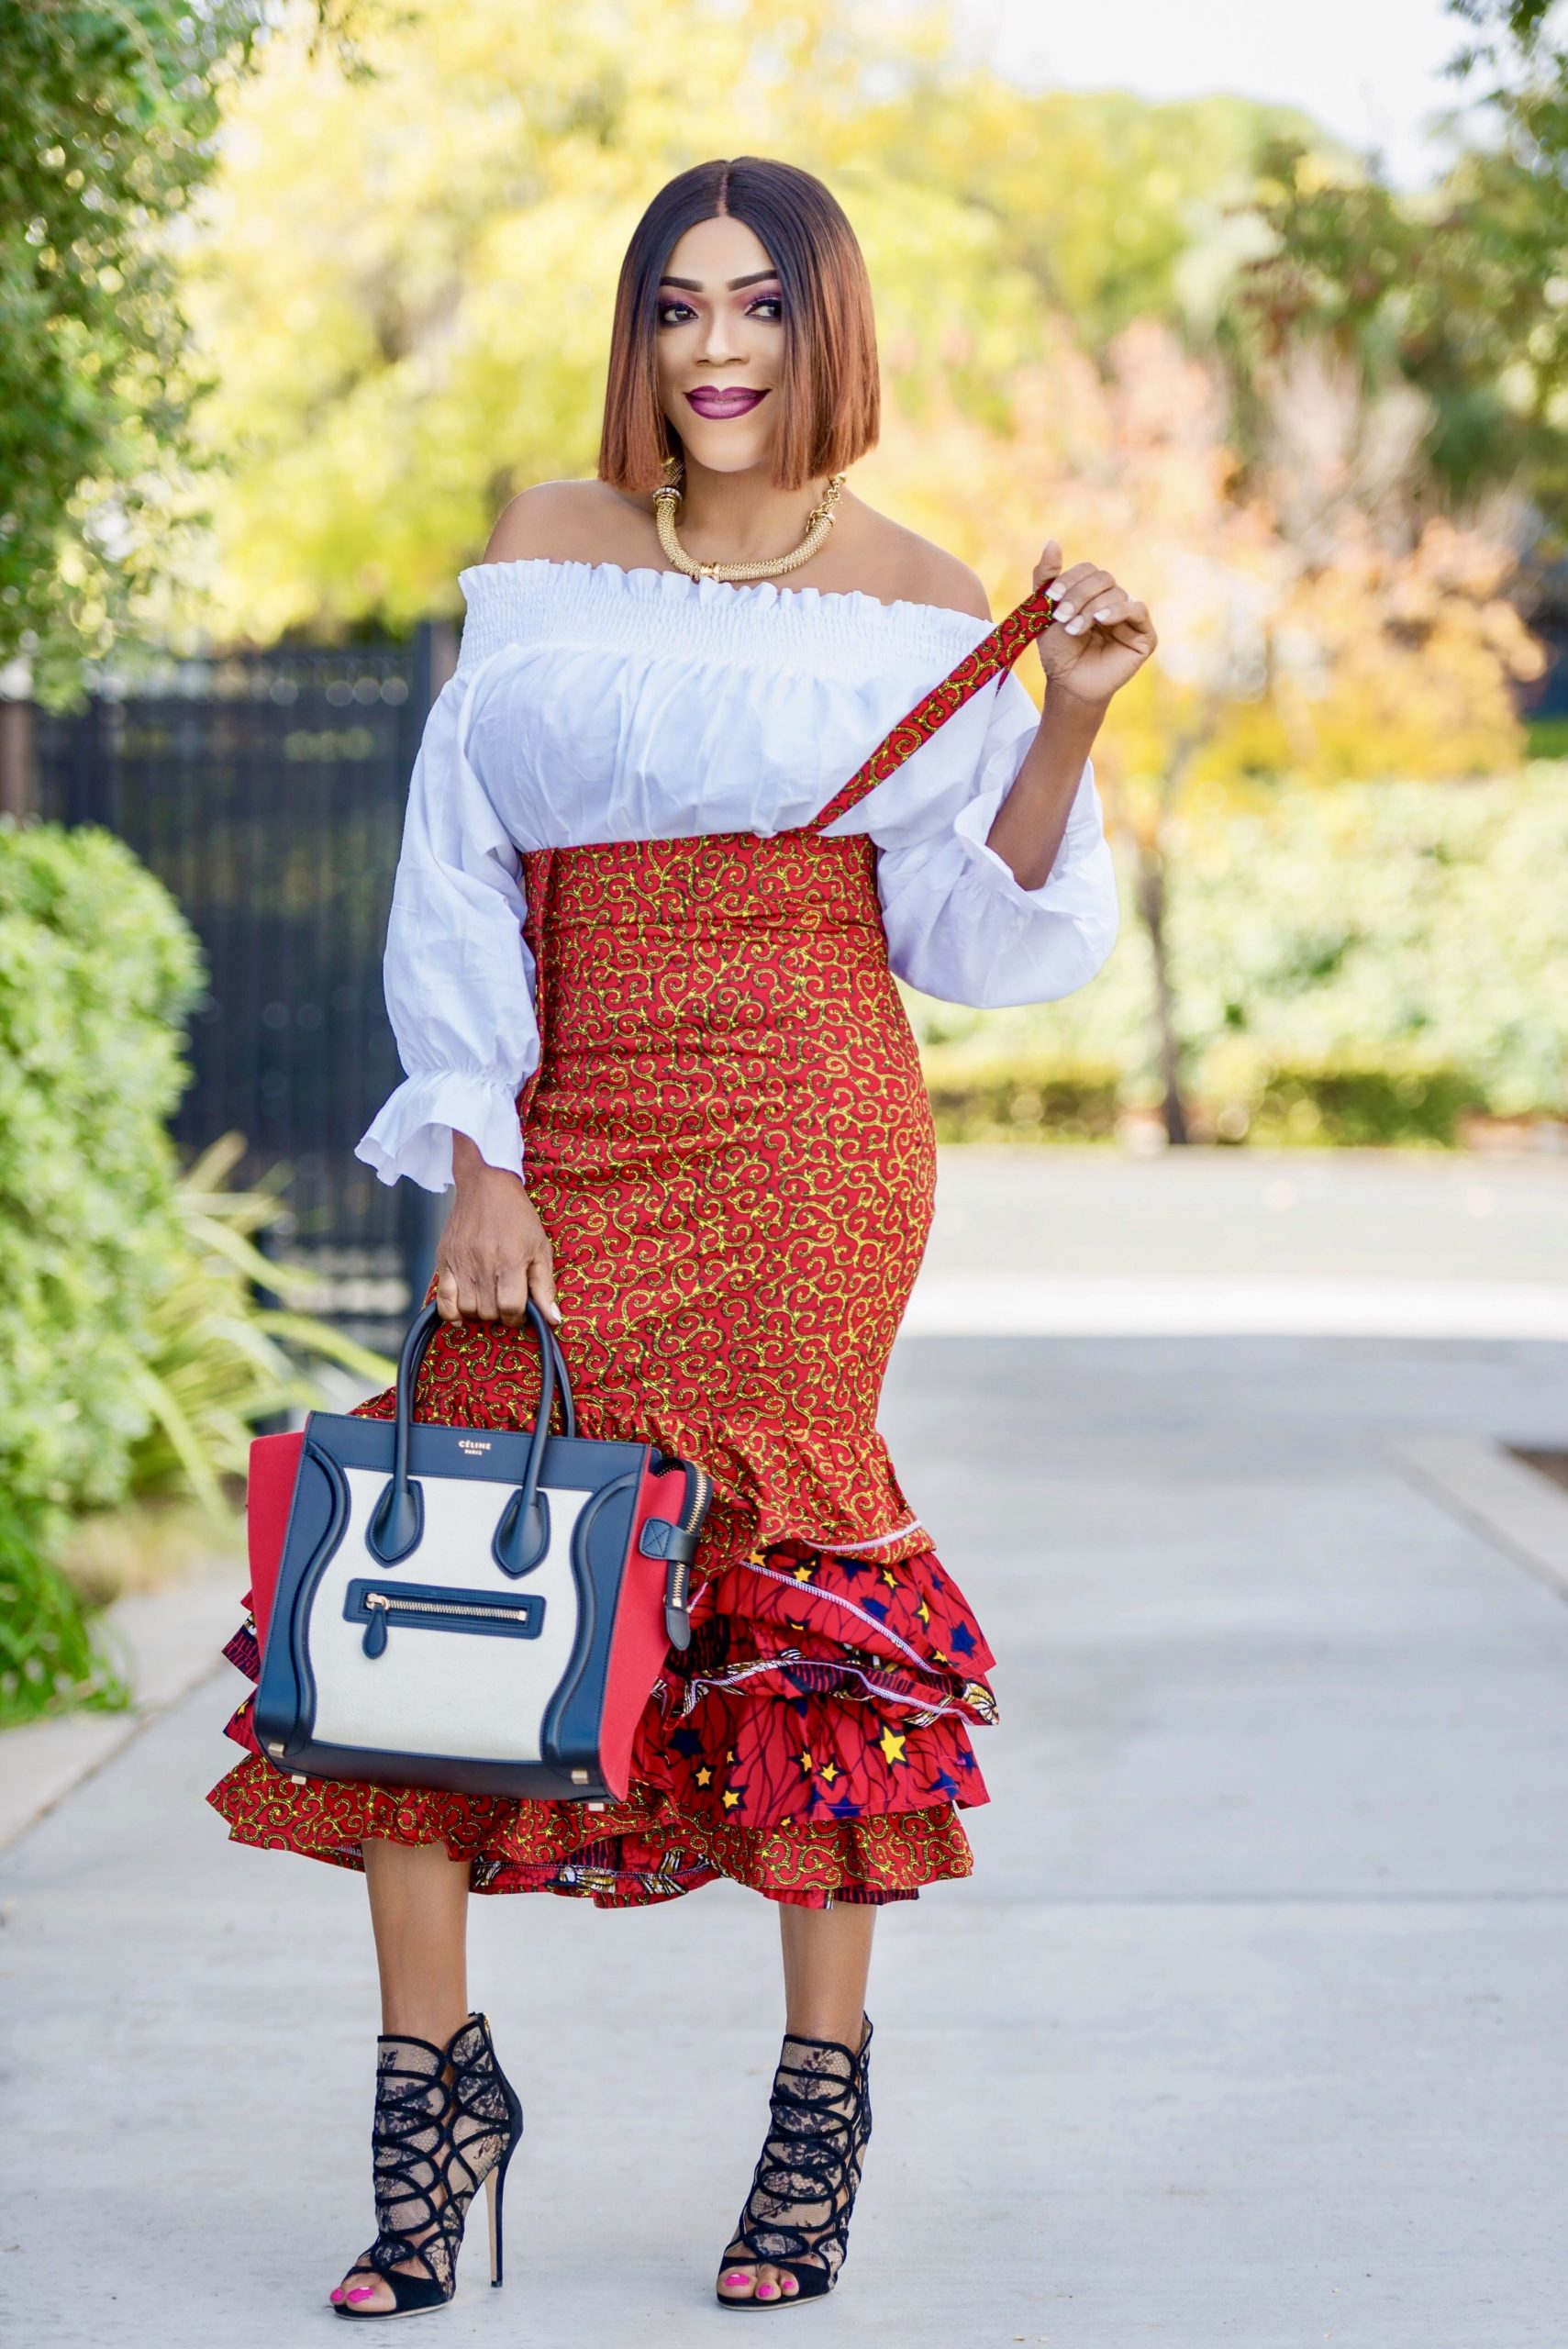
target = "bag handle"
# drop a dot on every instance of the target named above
(990, 657)
(398, 1519)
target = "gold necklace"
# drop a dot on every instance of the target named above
(819, 522)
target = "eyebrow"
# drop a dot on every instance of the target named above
(694, 285)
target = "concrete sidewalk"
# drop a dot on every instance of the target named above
(1250, 2029)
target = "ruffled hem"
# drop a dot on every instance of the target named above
(622, 1856)
(812, 1742)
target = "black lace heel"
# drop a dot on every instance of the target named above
(803, 2192)
(446, 2121)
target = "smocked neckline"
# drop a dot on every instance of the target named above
(847, 604)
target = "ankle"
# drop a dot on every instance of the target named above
(436, 2022)
(805, 2021)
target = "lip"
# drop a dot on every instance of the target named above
(709, 401)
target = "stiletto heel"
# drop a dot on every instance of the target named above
(797, 2214)
(446, 2121)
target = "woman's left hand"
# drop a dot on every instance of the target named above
(1099, 638)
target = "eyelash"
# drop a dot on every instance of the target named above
(773, 302)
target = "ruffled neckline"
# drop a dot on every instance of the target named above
(714, 611)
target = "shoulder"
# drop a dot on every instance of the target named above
(571, 522)
(899, 566)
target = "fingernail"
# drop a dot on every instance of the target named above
(1102, 617)
(1076, 627)
(1064, 611)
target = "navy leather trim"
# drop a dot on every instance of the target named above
(661, 1539)
(397, 1521)
(526, 1610)
(495, 1455)
(522, 1536)
(469, 1775)
(570, 1735)
(286, 1698)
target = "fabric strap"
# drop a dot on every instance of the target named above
(990, 657)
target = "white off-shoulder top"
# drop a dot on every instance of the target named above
(592, 704)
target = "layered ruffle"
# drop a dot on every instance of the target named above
(814, 1742)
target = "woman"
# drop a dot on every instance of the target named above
(720, 1183)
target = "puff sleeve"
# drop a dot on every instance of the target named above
(458, 977)
(959, 925)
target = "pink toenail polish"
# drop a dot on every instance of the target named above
(767, 2291)
(738, 2276)
(365, 2292)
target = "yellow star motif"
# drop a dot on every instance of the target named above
(828, 1773)
(923, 1611)
(890, 1578)
(803, 1574)
(730, 1800)
(937, 1656)
(806, 1763)
(705, 1777)
(892, 1747)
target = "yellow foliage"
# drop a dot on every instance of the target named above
(403, 285)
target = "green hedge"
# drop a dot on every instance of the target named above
(1354, 963)
(97, 971)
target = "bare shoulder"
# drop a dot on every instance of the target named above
(898, 565)
(571, 522)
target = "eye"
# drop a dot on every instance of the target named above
(664, 313)
(769, 305)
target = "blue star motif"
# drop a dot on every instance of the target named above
(845, 1808)
(686, 1741)
(877, 1606)
(946, 1786)
(850, 1567)
(963, 1639)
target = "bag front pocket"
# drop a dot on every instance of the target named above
(429, 1607)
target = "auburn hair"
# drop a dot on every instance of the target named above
(829, 393)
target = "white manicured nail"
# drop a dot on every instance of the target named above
(1064, 612)
(1101, 618)
(1076, 627)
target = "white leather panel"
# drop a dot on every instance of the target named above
(437, 1691)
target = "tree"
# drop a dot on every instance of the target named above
(1314, 617)
(108, 113)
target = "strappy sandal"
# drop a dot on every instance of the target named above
(446, 2121)
(797, 2214)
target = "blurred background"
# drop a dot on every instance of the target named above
(1270, 315)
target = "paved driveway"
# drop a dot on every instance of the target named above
(1250, 2029)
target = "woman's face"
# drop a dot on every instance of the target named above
(720, 345)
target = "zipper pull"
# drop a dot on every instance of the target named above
(677, 1615)
(375, 1641)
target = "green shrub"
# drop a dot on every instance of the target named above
(97, 969)
(1355, 962)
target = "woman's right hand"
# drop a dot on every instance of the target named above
(494, 1254)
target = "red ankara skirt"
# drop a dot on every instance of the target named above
(729, 1145)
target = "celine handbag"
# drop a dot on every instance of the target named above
(471, 1607)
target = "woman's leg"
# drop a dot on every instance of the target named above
(826, 1958)
(419, 1912)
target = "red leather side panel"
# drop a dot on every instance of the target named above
(275, 1466)
(639, 1645)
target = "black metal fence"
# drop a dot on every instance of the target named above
(266, 790)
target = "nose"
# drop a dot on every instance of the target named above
(716, 345)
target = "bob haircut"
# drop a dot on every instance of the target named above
(829, 394)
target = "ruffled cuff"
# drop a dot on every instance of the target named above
(413, 1133)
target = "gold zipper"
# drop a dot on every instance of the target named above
(698, 1510)
(379, 1599)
